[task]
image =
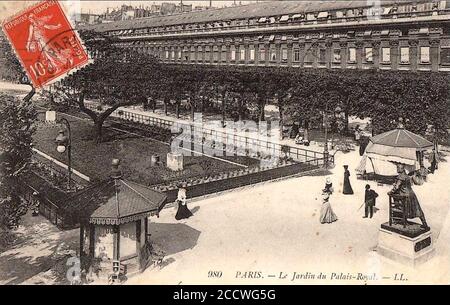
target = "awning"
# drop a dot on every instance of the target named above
(424, 31)
(262, 19)
(284, 18)
(405, 155)
(323, 15)
(385, 32)
(367, 33)
(272, 37)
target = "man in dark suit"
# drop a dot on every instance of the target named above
(369, 201)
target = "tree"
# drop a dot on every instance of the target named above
(10, 67)
(117, 78)
(16, 118)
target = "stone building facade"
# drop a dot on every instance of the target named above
(386, 35)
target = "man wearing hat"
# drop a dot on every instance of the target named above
(369, 201)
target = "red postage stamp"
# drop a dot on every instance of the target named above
(45, 42)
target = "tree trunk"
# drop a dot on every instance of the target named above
(98, 125)
(192, 103)
(280, 110)
(241, 106)
(262, 105)
(346, 123)
(203, 105)
(165, 105)
(224, 111)
(177, 109)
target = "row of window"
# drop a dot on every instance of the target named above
(242, 54)
(350, 13)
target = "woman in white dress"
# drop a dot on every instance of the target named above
(326, 212)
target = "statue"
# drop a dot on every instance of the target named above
(402, 187)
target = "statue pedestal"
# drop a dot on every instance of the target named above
(175, 161)
(412, 245)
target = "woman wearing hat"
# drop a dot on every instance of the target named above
(326, 212)
(347, 189)
(183, 211)
(329, 186)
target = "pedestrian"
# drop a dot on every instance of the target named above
(357, 134)
(347, 189)
(434, 160)
(329, 186)
(326, 212)
(183, 211)
(364, 141)
(369, 201)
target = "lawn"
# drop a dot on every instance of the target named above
(94, 160)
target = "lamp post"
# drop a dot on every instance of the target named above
(64, 143)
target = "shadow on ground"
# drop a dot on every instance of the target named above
(40, 247)
(173, 237)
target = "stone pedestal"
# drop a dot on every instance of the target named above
(410, 248)
(175, 161)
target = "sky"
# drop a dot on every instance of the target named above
(100, 6)
(10, 7)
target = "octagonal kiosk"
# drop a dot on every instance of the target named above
(114, 225)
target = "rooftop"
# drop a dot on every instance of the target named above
(115, 201)
(254, 10)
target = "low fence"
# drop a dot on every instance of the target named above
(229, 183)
(37, 192)
(201, 137)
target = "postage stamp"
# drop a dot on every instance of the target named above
(45, 42)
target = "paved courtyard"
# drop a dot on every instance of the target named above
(275, 228)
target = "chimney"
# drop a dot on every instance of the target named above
(116, 172)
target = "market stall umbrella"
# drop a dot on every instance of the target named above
(398, 145)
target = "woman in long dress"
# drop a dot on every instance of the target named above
(402, 186)
(347, 189)
(183, 211)
(326, 212)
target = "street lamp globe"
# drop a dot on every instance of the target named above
(61, 148)
(61, 141)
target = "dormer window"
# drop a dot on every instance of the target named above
(322, 15)
(262, 20)
(310, 16)
(298, 16)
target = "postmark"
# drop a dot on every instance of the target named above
(45, 42)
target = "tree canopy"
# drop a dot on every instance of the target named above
(16, 119)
